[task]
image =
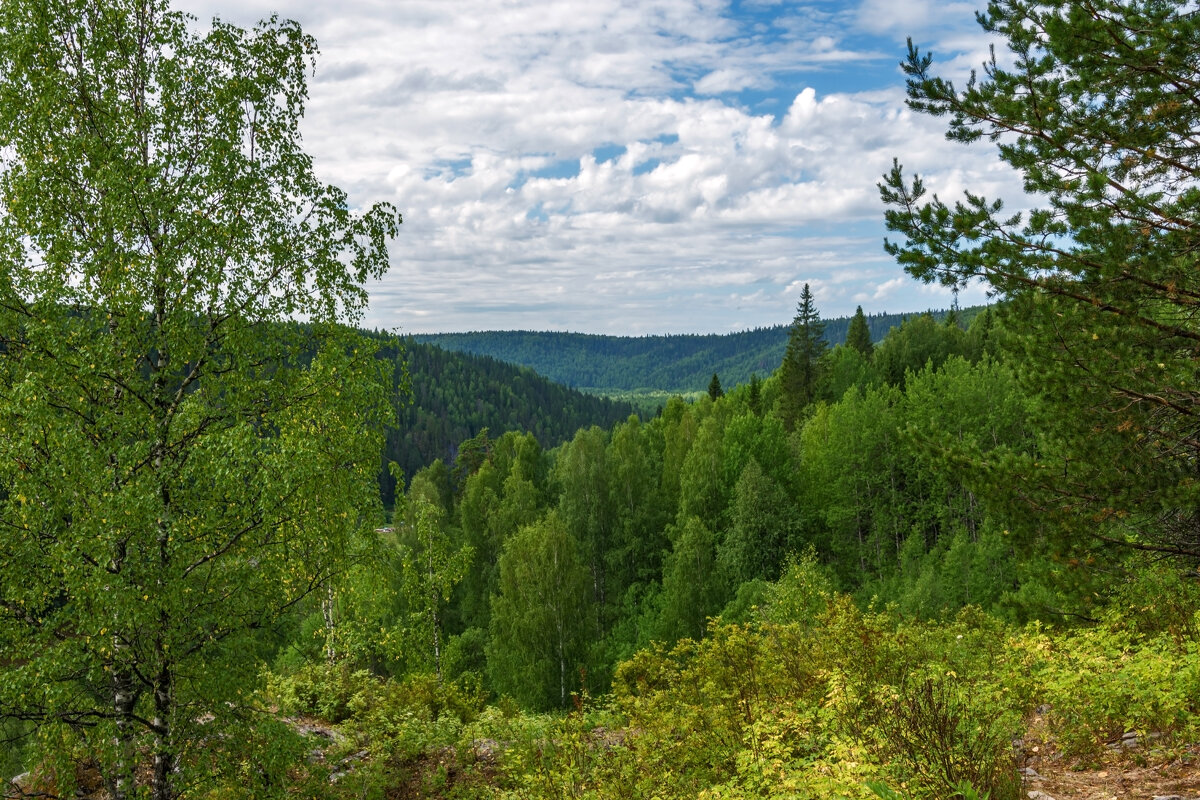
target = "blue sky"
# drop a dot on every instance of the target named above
(631, 166)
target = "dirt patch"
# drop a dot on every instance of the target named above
(1125, 770)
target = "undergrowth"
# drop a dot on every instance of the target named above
(812, 698)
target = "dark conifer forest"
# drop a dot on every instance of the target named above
(452, 397)
(678, 363)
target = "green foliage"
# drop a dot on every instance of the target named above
(541, 616)
(455, 395)
(1138, 671)
(1102, 683)
(802, 371)
(15, 739)
(754, 398)
(692, 589)
(765, 527)
(939, 733)
(847, 368)
(321, 689)
(614, 366)
(1100, 275)
(390, 723)
(964, 790)
(220, 463)
(801, 595)
(263, 760)
(506, 492)
(179, 464)
(858, 336)
(776, 711)
(937, 706)
(714, 388)
(919, 342)
(586, 505)
(634, 458)
(357, 619)
(431, 568)
(854, 473)
(812, 698)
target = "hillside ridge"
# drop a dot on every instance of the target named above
(602, 363)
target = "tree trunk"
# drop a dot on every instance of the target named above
(327, 615)
(121, 784)
(164, 751)
(562, 669)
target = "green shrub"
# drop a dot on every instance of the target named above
(1102, 682)
(321, 690)
(942, 732)
(927, 701)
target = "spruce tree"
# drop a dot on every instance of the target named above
(801, 370)
(714, 387)
(859, 335)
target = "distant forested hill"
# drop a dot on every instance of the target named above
(675, 363)
(456, 395)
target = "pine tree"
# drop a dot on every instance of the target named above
(1098, 111)
(800, 373)
(859, 335)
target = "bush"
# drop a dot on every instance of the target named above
(942, 733)
(1101, 683)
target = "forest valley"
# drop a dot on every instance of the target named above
(959, 561)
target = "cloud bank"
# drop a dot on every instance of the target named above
(629, 167)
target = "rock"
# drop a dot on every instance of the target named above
(1029, 773)
(1166, 797)
(350, 759)
(346, 765)
(1128, 741)
(486, 750)
(1038, 795)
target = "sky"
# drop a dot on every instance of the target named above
(631, 167)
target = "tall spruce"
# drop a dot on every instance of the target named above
(754, 396)
(714, 388)
(177, 467)
(859, 335)
(800, 372)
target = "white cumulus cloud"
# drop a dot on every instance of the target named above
(626, 166)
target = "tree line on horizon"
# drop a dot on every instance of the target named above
(680, 363)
